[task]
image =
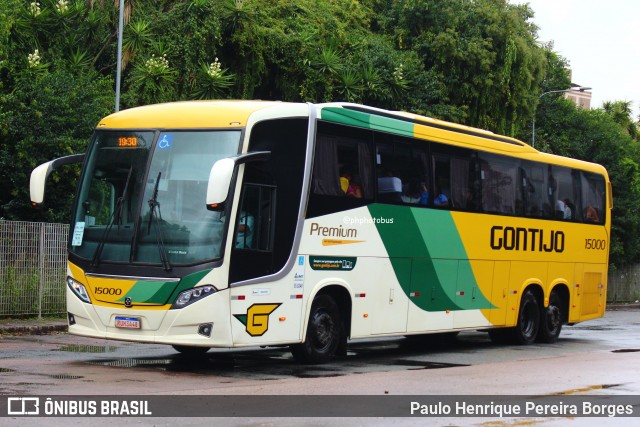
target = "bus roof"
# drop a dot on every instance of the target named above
(236, 113)
(187, 114)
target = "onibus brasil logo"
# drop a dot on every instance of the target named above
(257, 318)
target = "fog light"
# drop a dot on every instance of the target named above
(72, 319)
(205, 329)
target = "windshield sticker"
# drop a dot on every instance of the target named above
(78, 233)
(165, 141)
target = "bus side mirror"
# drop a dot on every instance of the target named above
(222, 174)
(219, 183)
(40, 174)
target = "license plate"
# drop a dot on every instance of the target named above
(127, 322)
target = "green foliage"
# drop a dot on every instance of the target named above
(473, 62)
(48, 115)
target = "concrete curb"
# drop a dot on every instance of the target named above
(32, 327)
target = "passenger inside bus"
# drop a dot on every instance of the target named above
(350, 184)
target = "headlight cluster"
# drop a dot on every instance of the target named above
(190, 296)
(78, 289)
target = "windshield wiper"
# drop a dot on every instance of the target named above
(153, 205)
(117, 212)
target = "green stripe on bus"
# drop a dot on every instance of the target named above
(439, 268)
(368, 121)
(152, 292)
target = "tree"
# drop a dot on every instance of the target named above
(621, 112)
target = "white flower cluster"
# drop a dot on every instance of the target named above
(215, 69)
(34, 8)
(62, 6)
(398, 74)
(34, 59)
(159, 63)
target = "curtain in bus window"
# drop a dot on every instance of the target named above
(533, 182)
(499, 178)
(326, 175)
(365, 170)
(461, 188)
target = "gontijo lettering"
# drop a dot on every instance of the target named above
(526, 239)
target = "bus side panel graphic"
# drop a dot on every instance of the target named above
(441, 278)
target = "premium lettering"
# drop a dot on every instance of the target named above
(332, 231)
(526, 239)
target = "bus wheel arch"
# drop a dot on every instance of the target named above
(554, 315)
(328, 326)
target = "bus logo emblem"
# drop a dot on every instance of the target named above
(127, 302)
(257, 318)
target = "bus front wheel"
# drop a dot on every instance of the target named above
(324, 332)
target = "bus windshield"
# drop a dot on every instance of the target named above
(142, 197)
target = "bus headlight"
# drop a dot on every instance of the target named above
(78, 289)
(192, 295)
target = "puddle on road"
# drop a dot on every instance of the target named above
(65, 377)
(277, 363)
(418, 365)
(267, 366)
(77, 348)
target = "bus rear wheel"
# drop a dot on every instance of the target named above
(526, 329)
(324, 333)
(551, 320)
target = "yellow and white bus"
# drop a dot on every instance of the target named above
(250, 223)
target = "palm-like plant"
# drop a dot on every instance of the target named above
(350, 85)
(213, 81)
(137, 35)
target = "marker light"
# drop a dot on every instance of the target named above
(78, 289)
(190, 296)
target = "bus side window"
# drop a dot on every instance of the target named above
(402, 170)
(592, 188)
(499, 177)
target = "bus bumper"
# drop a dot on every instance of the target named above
(204, 323)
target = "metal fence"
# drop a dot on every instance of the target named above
(33, 257)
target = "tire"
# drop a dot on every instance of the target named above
(190, 351)
(324, 333)
(551, 320)
(526, 330)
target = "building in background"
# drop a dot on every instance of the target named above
(581, 98)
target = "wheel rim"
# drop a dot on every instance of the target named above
(324, 330)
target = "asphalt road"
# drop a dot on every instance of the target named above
(599, 357)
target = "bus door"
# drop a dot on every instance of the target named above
(588, 295)
(432, 293)
(390, 303)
